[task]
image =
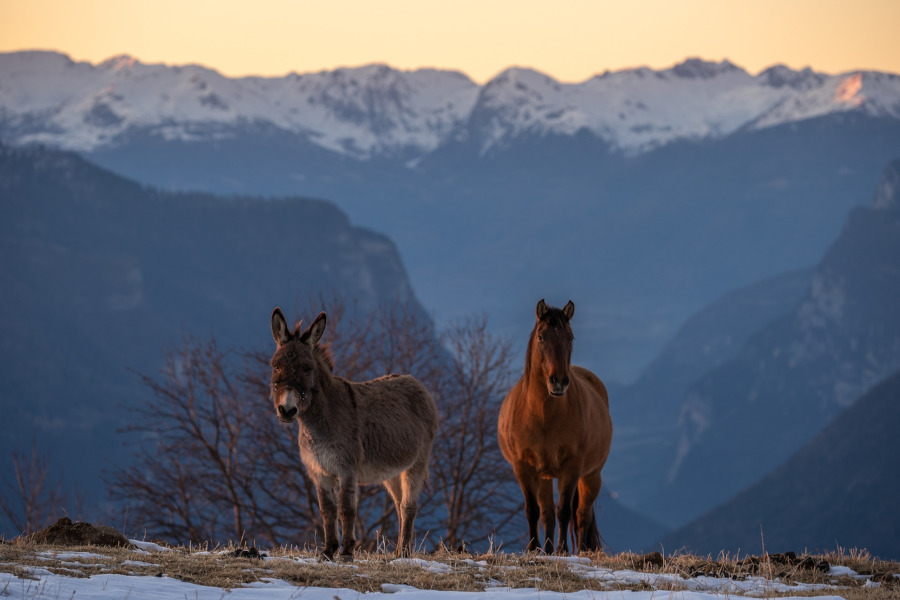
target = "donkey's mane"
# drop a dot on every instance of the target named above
(323, 353)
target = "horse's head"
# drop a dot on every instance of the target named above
(294, 366)
(552, 345)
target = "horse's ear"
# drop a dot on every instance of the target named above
(569, 310)
(541, 309)
(279, 327)
(315, 331)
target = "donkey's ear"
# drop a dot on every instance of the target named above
(569, 310)
(279, 327)
(315, 331)
(541, 309)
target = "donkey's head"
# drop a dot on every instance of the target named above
(295, 367)
(552, 345)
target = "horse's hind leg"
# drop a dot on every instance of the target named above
(585, 519)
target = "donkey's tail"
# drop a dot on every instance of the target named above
(591, 540)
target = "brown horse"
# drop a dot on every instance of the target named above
(555, 424)
(380, 431)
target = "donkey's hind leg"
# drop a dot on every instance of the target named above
(395, 490)
(411, 482)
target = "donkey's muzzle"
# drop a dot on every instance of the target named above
(287, 415)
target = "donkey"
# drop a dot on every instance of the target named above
(555, 424)
(379, 431)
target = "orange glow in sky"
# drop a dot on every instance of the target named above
(569, 40)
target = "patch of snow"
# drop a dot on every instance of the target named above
(429, 565)
(138, 563)
(149, 546)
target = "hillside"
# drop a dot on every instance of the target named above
(837, 490)
(102, 275)
(792, 377)
(646, 412)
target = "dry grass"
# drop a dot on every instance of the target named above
(453, 571)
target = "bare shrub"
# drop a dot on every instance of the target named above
(31, 499)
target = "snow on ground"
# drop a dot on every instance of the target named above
(47, 585)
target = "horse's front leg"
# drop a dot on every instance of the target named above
(548, 512)
(348, 507)
(325, 487)
(528, 481)
(567, 487)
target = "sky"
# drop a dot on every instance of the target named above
(571, 42)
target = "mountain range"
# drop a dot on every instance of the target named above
(679, 184)
(686, 211)
(376, 111)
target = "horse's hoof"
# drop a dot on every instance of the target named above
(326, 556)
(346, 557)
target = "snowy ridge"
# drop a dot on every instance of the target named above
(377, 111)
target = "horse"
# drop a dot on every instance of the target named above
(554, 424)
(378, 431)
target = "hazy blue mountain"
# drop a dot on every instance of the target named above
(792, 377)
(101, 275)
(838, 489)
(642, 195)
(646, 412)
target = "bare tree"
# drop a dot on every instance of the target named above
(31, 499)
(197, 477)
(216, 464)
(472, 481)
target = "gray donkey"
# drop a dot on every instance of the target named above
(379, 431)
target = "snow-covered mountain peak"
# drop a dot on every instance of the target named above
(696, 68)
(780, 76)
(376, 110)
(119, 62)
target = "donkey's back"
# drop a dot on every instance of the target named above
(398, 420)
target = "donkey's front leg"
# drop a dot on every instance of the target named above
(325, 487)
(348, 509)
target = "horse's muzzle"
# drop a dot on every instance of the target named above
(557, 387)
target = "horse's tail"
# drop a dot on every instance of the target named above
(592, 541)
